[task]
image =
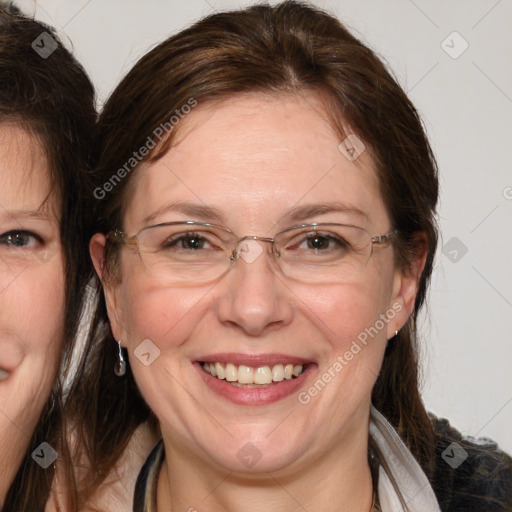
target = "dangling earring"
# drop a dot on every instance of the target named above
(120, 364)
(396, 334)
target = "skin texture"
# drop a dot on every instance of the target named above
(255, 158)
(31, 295)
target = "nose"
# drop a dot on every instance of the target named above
(254, 299)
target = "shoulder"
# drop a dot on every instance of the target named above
(115, 493)
(469, 473)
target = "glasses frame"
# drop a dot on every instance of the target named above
(121, 237)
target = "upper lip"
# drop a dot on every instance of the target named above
(253, 360)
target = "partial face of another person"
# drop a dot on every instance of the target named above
(257, 165)
(31, 292)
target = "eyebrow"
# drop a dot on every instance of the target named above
(297, 214)
(199, 211)
(300, 213)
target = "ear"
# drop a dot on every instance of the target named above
(405, 286)
(110, 289)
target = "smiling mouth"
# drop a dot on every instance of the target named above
(4, 374)
(253, 377)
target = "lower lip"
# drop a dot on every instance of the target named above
(255, 396)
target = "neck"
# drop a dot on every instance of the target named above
(338, 480)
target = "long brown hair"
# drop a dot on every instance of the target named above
(53, 99)
(291, 48)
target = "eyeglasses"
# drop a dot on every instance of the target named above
(196, 252)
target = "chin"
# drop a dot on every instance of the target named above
(254, 458)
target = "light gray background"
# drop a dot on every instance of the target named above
(466, 103)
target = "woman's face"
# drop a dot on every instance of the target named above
(31, 293)
(258, 165)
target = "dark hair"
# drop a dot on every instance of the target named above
(53, 99)
(291, 48)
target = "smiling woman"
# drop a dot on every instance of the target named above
(46, 121)
(263, 268)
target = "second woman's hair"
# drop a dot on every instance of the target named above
(53, 99)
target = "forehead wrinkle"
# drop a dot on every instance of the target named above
(24, 214)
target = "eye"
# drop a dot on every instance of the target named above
(317, 242)
(19, 239)
(192, 241)
(189, 242)
(322, 242)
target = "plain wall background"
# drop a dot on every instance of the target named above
(466, 104)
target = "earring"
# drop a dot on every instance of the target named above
(392, 339)
(120, 364)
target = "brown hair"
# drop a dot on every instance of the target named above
(53, 99)
(291, 48)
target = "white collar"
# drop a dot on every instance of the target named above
(412, 482)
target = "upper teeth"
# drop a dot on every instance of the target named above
(247, 375)
(3, 374)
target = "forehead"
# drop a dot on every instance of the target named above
(253, 158)
(24, 169)
(26, 190)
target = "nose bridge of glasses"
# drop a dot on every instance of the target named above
(248, 248)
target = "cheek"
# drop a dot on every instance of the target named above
(167, 318)
(163, 315)
(344, 311)
(48, 303)
(351, 320)
(34, 308)
(31, 335)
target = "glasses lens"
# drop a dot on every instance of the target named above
(323, 253)
(194, 253)
(185, 252)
